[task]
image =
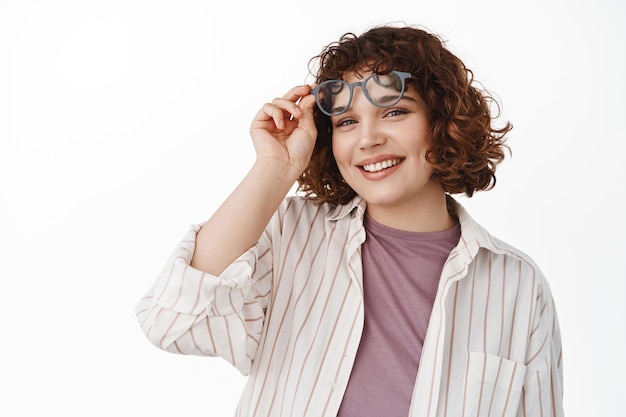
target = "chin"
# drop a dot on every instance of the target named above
(380, 200)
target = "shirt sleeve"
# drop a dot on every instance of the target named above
(542, 394)
(188, 311)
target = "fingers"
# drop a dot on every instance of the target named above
(295, 93)
(291, 106)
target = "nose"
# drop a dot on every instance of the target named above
(370, 130)
(370, 133)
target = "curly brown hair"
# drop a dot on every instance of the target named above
(465, 147)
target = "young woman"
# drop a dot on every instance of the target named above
(374, 293)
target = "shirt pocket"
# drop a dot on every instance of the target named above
(493, 386)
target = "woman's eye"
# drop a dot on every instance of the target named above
(395, 112)
(344, 122)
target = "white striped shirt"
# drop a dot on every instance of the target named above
(289, 313)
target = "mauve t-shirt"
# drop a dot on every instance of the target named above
(401, 273)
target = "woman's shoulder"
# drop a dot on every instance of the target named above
(476, 236)
(302, 206)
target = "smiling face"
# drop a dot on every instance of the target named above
(381, 154)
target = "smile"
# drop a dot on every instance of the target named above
(379, 166)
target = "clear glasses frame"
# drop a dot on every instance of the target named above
(334, 87)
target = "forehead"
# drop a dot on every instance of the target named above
(354, 76)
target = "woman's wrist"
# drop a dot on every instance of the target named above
(272, 169)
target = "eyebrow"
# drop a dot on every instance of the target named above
(384, 99)
(338, 109)
(404, 96)
(389, 98)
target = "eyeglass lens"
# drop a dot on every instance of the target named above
(335, 96)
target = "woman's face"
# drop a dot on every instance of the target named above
(381, 152)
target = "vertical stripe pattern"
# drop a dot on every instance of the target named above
(289, 314)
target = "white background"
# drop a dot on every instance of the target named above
(122, 122)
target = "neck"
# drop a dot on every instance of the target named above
(428, 214)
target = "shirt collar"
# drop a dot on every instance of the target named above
(342, 210)
(473, 235)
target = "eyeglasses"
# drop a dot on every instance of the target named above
(334, 97)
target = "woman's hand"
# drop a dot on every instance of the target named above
(284, 130)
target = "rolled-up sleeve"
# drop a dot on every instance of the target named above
(191, 312)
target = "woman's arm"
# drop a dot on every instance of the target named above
(283, 133)
(205, 301)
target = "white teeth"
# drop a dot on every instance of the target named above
(379, 166)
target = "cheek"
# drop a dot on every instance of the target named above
(339, 152)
